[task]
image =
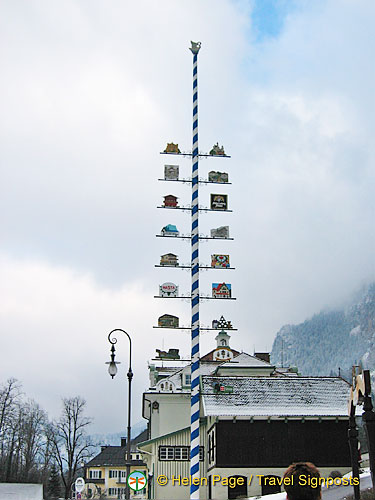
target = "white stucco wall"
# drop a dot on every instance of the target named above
(173, 413)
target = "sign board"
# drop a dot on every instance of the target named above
(169, 259)
(137, 480)
(170, 230)
(220, 232)
(219, 201)
(219, 261)
(171, 172)
(222, 324)
(168, 289)
(217, 150)
(171, 354)
(79, 485)
(221, 177)
(172, 148)
(168, 321)
(170, 200)
(221, 290)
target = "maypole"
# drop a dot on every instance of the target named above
(194, 425)
(220, 291)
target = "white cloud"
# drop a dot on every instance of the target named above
(90, 95)
(55, 323)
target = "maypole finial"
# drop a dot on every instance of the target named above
(195, 46)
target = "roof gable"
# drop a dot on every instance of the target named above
(209, 356)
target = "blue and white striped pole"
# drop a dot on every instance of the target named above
(194, 426)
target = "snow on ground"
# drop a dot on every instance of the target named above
(366, 472)
(275, 496)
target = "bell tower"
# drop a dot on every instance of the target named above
(223, 351)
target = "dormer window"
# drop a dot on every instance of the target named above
(162, 387)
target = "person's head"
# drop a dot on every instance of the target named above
(304, 482)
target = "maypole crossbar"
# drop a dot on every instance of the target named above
(194, 425)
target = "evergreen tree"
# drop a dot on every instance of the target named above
(54, 485)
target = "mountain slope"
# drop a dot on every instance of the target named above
(330, 340)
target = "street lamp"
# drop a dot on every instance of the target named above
(112, 370)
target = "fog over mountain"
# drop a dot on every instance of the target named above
(331, 341)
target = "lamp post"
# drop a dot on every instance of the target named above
(112, 370)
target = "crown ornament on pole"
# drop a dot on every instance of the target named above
(195, 46)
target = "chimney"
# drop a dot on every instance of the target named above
(123, 442)
(264, 356)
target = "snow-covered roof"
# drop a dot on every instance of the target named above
(276, 396)
(208, 367)
(16, 491)
(244, 360)
(175, 378)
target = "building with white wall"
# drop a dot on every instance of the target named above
(255, 420)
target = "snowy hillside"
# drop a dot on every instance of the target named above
(331, 340)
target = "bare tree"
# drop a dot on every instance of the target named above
(9, 418)
(32, 432)
(9, 396)
(47, 450)
(71, 445)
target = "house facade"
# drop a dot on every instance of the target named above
(169, 259)
(170, 201)
(256, 419)
(221, 290)
(105, 474)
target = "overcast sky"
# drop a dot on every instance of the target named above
(91, 92)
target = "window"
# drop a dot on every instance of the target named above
(178, 453)
(223, 342)
(117, 492)
(137, 457)
(187, 379)
(181, 453)
(113, 473)
(211, 447)
(95, 474)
